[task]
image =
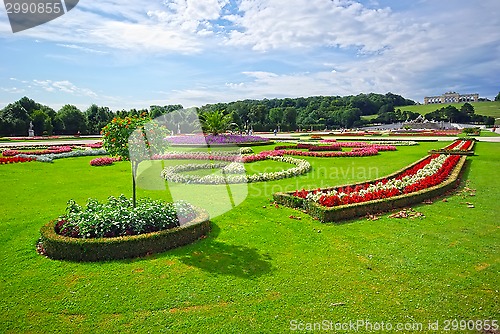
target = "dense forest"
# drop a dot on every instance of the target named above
(317, 112)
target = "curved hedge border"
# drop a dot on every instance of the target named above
(103, 249)
(349, 211)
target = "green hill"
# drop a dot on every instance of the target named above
(481, 108)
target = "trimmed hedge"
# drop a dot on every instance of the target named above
(103, 249)
(349, 211)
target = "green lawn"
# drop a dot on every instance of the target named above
(482, 108)
(259, 269)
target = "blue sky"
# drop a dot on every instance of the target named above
(133, 54)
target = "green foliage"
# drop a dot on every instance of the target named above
(41, 123)
(215, 122)
(149, 136)
(97, 118)
(497, 98)
(472, 131)
(119, 217)
(73, 120)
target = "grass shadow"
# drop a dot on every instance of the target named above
(225, 259)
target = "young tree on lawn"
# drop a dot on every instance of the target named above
(134, 138)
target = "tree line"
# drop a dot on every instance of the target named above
(286, 114)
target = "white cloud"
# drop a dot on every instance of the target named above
(82, 48)
(64, 86)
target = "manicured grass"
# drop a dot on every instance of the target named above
(258, 269)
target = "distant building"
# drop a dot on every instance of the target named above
(451, 97)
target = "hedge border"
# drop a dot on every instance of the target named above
(59, 247)
(349, 211)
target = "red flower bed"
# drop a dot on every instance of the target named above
(103, 161)
(460, 145)
(375, 191)
(11, 160)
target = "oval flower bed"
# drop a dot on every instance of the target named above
(427, 178)
(116, 229)
(234, 172)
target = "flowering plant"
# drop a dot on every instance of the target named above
(49, 150)
(221, 139)
(73, 154)
(427, 173)
(118, 217)
(116, 135)
(103, 161)
(234, 172)
(11, 160)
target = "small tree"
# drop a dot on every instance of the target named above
(215, 122)
(134, 138)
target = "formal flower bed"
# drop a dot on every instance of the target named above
(222, 139)
(115, 229)
(94, 145)
(427, 178)
(395, 142)
(356, 152)
(49, 150)
(106, 161)
(429, 172)
(73, 154)
(118, 217)
(231, 173)
(12, 160)
(460, 147)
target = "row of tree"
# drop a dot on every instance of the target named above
(316, 112)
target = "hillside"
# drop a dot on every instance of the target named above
(481, 108)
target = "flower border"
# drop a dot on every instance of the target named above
(349, 211)
(232, 175)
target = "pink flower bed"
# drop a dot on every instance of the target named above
(50, 150)
(103, 161)
(94, 145)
